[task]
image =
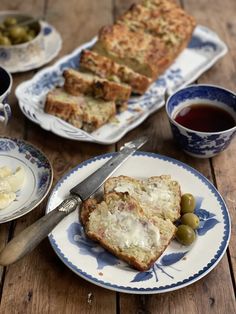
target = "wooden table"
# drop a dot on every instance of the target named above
(40, 282)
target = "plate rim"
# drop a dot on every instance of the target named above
(86, 137)
(14, 139)
(200, 274)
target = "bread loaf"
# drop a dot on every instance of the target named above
(119, 224)
(141, 52)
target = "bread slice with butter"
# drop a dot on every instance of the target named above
(77, 83)
(111, 70)
(81, 111)
(159, 196)
(119, 225)
(141, 52)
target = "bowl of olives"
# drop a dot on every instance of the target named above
(21, 39)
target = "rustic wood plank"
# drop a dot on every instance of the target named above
(48, 286)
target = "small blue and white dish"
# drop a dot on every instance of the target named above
(16, 153)
(202, 144)
(34, 53)
(5, 88)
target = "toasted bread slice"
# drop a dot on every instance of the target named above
(173, 27)
(77, 83)
(113, 71)
(158, 196)
(81, 111)
(120, 226)
(141, 52)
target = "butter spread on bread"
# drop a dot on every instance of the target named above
(158, 196)
(119, 224)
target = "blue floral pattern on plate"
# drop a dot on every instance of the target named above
(31, 94)
(171, 271)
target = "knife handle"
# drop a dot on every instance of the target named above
(30, 237)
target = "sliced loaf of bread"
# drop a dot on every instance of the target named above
(158, 196)
(119, 224)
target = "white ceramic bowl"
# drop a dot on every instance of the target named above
(30, 51)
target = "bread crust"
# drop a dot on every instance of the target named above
(109, 69)
(141, 52)
(170, 24)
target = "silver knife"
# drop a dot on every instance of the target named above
(30, 237)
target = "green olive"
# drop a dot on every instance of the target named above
(187, 203)
(10, 21)
(185, 235)
(17, 32)
(5, 41)
(191, 220)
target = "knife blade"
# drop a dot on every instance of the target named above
(30, 237)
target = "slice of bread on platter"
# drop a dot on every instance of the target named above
(120, 225)
(81, 111)
(77, 83)
(113, 71)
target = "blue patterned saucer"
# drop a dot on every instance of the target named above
(38, 180)
(179, 265)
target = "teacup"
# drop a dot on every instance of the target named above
(5, 88)
(192, 139)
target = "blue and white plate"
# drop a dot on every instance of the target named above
(15, 153)
(203, 51)
(179, 265)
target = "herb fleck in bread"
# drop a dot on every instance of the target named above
(111, 70)
(141, 52)
(77, 83)
(81, 111)
(119, 224)
(158, 196)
